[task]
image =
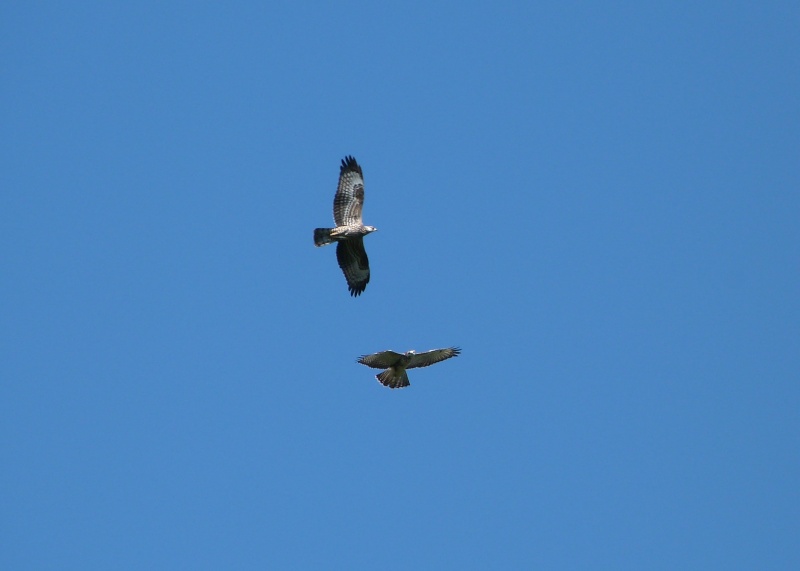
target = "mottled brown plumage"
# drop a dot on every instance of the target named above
(349, 233)
(395, 376)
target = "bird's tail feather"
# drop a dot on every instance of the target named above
(393, 379)
(322, 236)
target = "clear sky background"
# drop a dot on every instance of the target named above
(599, 204)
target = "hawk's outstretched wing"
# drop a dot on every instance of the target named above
(382, 360)
(431, 357)
(349, 199)
(352, 258)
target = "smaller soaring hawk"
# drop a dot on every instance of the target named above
(395, 376)
(350, 230)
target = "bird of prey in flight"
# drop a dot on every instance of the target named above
(395, 376)
(350, 230)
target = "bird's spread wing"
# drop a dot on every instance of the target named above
(349, 199)
(431, 357)
(382, 360)
(352, 258)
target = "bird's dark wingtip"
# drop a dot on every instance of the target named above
(349, 164)
(355, 292)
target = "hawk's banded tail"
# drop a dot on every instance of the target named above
(322, 236)
(393, 379)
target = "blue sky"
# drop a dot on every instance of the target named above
(599, 204)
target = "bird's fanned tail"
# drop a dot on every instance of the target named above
(322, 236)
(393, 379)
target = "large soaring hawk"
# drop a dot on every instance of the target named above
(395, 376)
(350, 230)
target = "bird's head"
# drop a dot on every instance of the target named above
(410, 352)
(368, 229)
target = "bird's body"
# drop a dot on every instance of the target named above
(350, 230)
(395, 375)
(325, 236)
